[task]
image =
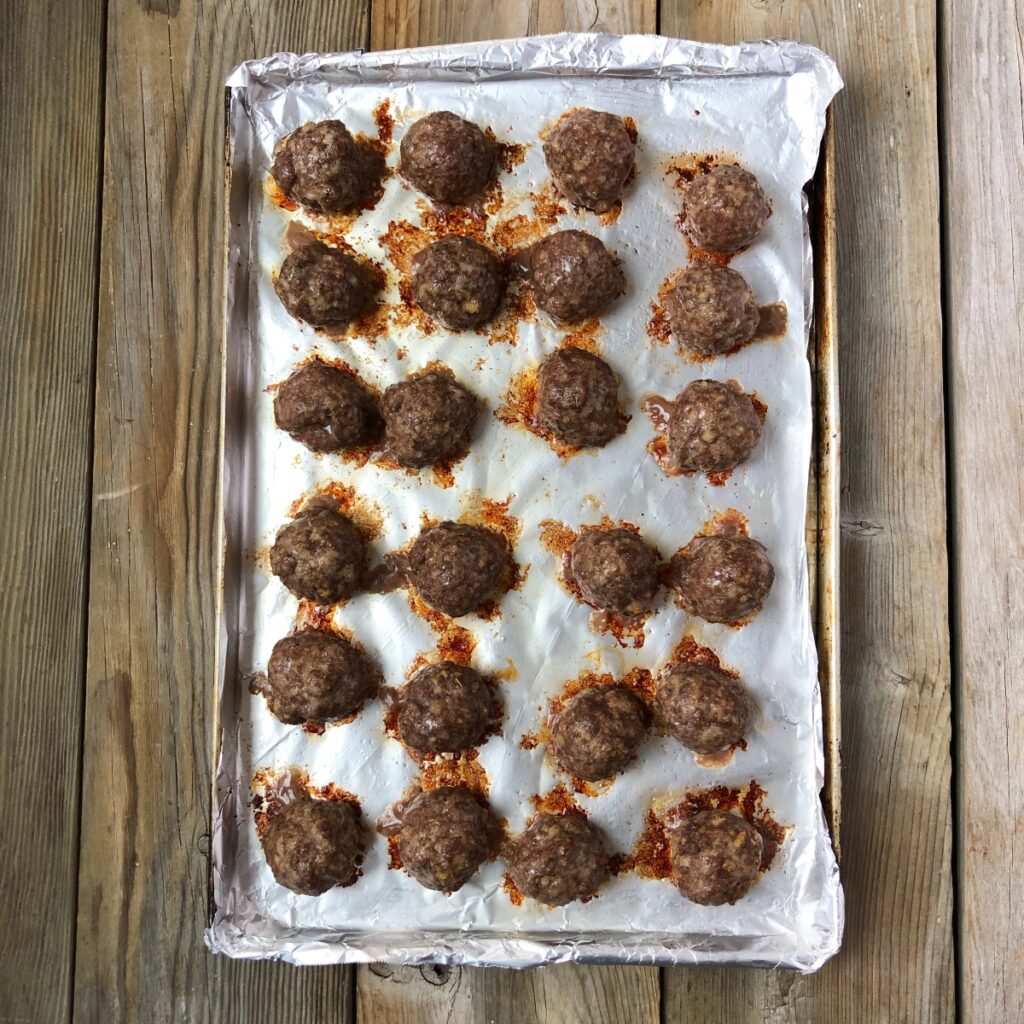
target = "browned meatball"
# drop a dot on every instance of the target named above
(577, 398)
(314, 845)
(712, 427)
(590, 156)
(558, 859)
(723, 579)
(326, 409)
(323, 286)
(598, 731)
(726, 209)
(427, 417)
(704, 709)
(715, 857)
(446, 834)
(711, 309)
(444, 708)
(447, 158)
(615, 570)
(319, 556)
(574, 276)
(455, 566)
(458, 280)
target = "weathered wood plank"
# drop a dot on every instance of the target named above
(51, 80)
(983, 149)
(149, 697)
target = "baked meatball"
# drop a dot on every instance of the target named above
(323, 286)
(723, 579)
(320, 556)
(427, 417)
(704, 709)
(558, 859)
(590, 156)
(726, 209)
(598, 731)
(578, 398)
(715, 857)
(455, 566)
(615, 570)
(446, 834)
(444, 708)
(447, 158)
(457, 280)
(314, 845)
(711, 309)
(712, 427)
(574, 276)
(325, 409)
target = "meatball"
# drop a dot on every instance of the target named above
(324, 169)
(314, 845)
(715, 857)
(458, 280)
(598, 731)
(446, 834)
(427, 417)
(590, 156)
(558, 859)
(712, 427)
(444, 708)
(319, 556)
(326, 409)
(455, 566)
(711, 309)
(723, 579)
(704, 709)
(726, 209)
(323, 286)
(574, 276)
(447, 158)
(615, 570)
(577, 398)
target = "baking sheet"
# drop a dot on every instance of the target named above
(762, 104)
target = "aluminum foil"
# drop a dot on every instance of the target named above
(761, 103)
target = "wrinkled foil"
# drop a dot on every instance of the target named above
(765, 104)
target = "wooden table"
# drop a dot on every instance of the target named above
(111, 131)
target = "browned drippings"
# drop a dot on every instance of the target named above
(467, 220)
(315, 616)
(519, 409)
(728, 523)
(511, 155)
(512, 891)
(773, 322)
(689, 652)
(385, 121)
(273, 788)
(394, 856)
(517, 307)
(630, 125)
(612, 214)
(659, 328)
(720, 758)
(463, 770)
(584, 336)
(759, 407)
(548, 206)
(456, 644)
(278, 198)
(366, 516)
(652, 857)
(698, 255)
(556, 801)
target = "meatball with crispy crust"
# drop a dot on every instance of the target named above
(723, 579)
(578, 398)
(711, 309)
(455, 566)
(590, 156)
(574, 276)
(427, 417)
(458, 281)
(447, 158)
(320, 556)
(615, 570)
(725, 209)
(712, 427)
(704, 709)
(444, 708)
(598, 731)
(715, 857)
(323, 286)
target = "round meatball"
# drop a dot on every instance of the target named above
(314, 845)
(444, 708)
(712, 427)
(578, 398)
(323, 286)
(574, 276)
(458, 280)
(326, 409)
(446, 835)
(590, 156)
(558, 859)
(711, 309)
(615, 570)
(320, 556)
(704, 709)
(724, 579)
(447, 158)
(455, 566)
(726, 209)
(598, 731)
(715, 857)
(427, 417)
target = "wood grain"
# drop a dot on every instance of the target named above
(983, 136)
(149, 694)
(897, 961)
(51, 79)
